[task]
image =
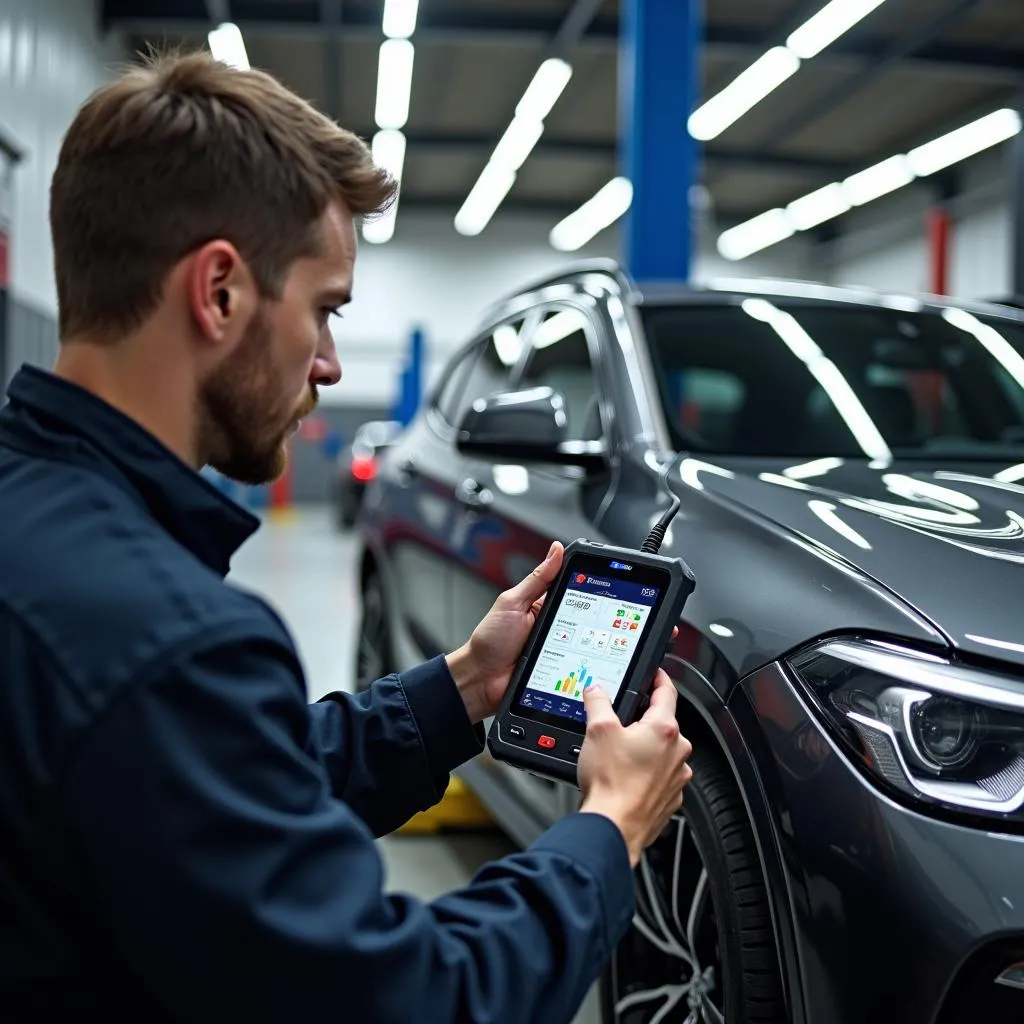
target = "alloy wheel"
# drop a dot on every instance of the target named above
(668, 969)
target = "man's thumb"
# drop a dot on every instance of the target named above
(539, 581)
(597, 703)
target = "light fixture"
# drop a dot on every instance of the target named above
(544, 89)
(485, 197)
(514, 146)
(877, 181)
(958, 145)
(744, 92)
(832, 200)
(394, 83)
(399, 20)
(818, 207)
(517, 143)
(753, 235)
(825, 27)
(602, 210)
(388, 149)
(227, 46)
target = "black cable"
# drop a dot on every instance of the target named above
(656, 537)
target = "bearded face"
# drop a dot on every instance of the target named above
(245, 419)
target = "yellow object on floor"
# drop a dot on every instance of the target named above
(458, 809)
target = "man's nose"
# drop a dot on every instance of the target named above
(326, 366)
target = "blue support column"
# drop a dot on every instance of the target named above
(658, 65)
(410, 384)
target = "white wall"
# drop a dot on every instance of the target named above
(51, 59)
(428, 275)
(884, 245)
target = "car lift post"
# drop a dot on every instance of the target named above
(659, 61)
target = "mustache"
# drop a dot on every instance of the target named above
(308, 404)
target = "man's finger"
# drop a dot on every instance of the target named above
(598, 705)
(537, 583)
(663, 697)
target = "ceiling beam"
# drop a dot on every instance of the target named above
(302, 18)
(562, 147)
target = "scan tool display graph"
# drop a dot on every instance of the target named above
(591, 641)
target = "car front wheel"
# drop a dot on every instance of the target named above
(701, 949)
(373, 643)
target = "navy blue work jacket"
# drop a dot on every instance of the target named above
(182, 836)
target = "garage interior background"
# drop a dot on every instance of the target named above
(909, 72)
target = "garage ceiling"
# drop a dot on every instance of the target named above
(910, 71)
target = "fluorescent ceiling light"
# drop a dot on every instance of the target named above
(227, 46)
(517, 143)
(394, 83)
(765, 75)
(388, 148)
(818, 207)
(400, 18)
(864, 186)
(825, 27)
(878, 181)
(543, 91)
(490, 189)
(605, 207)
(753, 235)
(514, 146)
(958, 145)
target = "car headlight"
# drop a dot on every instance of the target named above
(939, 732)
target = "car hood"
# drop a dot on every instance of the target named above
(948, 538)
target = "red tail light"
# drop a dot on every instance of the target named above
(364, 468)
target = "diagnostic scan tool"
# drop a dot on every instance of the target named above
(607, 621)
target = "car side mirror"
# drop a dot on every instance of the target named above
(525, 426)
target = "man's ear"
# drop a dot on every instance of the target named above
(221, 291)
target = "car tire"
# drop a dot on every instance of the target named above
(373, 658)
(701, 949)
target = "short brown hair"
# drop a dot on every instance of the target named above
(180, 150)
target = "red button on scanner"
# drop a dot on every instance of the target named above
(546, 741)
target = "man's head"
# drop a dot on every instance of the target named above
(205, 214)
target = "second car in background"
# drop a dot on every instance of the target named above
(357, 466)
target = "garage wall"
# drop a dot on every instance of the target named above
(51, 59)
(884, 245)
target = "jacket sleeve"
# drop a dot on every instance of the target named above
(204, 839)
(389, 752)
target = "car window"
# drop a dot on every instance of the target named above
(559, 358)
(446, 397)
(489, 368)
(785, 378)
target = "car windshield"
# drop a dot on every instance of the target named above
(785, 378)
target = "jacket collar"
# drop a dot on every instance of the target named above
(51, 417)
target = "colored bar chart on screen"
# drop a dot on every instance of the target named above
(573, 684)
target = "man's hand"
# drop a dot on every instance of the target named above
(635, 774)
(483, 667)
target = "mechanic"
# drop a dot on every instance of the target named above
(182, 836)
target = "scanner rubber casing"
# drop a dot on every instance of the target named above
(560, 764)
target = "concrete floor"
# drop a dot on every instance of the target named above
(304, 568)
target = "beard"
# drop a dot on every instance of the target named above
(245, 422)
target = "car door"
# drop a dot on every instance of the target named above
(513, 512)
(417, 504)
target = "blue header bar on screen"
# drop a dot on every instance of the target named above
(619, 590)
